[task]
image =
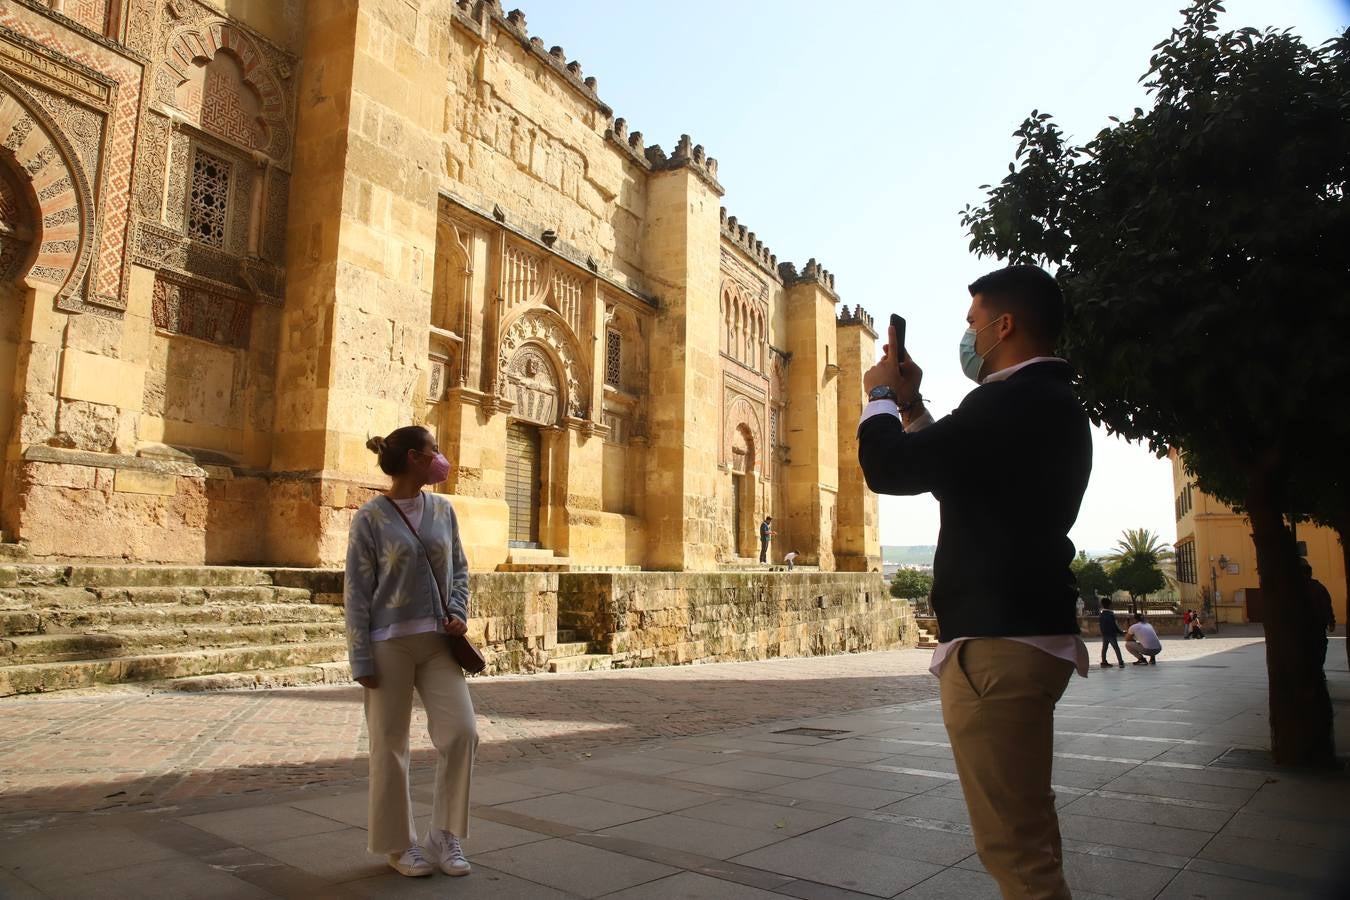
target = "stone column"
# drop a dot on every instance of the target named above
(857, 543)
(681, 257)
(812, 478)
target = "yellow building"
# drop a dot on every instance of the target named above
(1216, 559)
(238, 239)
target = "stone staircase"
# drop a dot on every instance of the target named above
(575, 653)
(928, 637)
(192, 628)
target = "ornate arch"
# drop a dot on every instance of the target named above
(742, 422)
(203, 44)
(532, 380)
(546, 328)
(39, 152)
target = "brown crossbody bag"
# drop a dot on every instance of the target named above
(461, 648)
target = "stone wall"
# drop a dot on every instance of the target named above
(671, 618)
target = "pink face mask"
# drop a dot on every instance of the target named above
(439, 470)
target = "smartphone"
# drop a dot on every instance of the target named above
(898, 323)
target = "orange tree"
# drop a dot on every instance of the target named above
(1201, 247)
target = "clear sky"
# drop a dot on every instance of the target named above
(855, 132)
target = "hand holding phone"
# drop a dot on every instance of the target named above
(898, 336)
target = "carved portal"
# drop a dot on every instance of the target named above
(533, 385)
(545, 328)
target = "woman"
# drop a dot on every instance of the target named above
(407, 587)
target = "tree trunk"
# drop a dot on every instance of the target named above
(1300, 707)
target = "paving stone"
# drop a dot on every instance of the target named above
(945, 848)
(349, 808)
(43, 856)
(486, 835)
(258, 826)
(858, 870)
(554, 778)
(783, 819)
(839, 794)
(728, 777)
(1161, 838)
(489, 791)
(14, 888)
(154, 881)
(693, 886)
(1146, 813)
(1277, 856)
(582, 813)
(929, 806)
(955, 884)
(658, 797)
(482, 883)
(711, 839)
(574, 868)
(1201, 886)
(332, 857)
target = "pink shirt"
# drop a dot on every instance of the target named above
(1068, 647)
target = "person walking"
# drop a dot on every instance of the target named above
(1009, 467)
(765, 532)
(1143, 642)
(1186, 624)
(407, 587)
(1110, 629)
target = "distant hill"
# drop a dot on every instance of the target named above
(909, 556)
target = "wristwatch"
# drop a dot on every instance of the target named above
(882, 392)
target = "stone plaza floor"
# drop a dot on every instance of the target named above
(822, 779)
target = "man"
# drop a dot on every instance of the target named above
(1186, 624)
(1321, 603)
(1111, 633)
(1143, 642)
(765, 532)
(1009, 467)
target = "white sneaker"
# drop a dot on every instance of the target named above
(412, 863)
(444, 848)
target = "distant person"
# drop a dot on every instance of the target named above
(1186, 624)
(765, 532)
(1111, 633)
(1320, 598)
(1196, 631)
(1009, 467)
(790, 558)
(1143, 642)
(1081, 606)
(407, 587)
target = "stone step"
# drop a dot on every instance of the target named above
(75, 597)
(586, 662)
(570, 649)
(568, 635)
(288, 676)
(132, 576)
(34, 648)
(63, 620)
(56, 676)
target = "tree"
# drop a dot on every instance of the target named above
(1093, 583)
(1201, 249)
(1140, 542)
(911, 584)
(1137, 576)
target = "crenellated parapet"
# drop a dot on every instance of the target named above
(480, 15)
(655, 159)
(812, 272)
(751, 245)
(857, 316)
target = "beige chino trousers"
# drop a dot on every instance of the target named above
(418, 661)
(998, 703)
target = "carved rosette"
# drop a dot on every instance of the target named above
(542, 327)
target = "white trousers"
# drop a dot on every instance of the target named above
(418, 661)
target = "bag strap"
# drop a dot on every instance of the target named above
(426, 554)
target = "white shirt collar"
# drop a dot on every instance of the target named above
(1002, 374)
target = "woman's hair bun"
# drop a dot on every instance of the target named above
(376, 445)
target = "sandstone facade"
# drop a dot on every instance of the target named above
(237, 239)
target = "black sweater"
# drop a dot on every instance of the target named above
(1009, 467)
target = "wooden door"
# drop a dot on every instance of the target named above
(1255, 606)
(522, 483)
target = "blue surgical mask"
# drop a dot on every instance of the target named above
(972, 363)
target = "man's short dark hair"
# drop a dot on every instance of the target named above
(1030, 294)
(1139, 617)
(1106, 603)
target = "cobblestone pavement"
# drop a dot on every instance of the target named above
(123, 749)
(1159, 776)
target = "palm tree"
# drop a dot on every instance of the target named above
(1140, 542)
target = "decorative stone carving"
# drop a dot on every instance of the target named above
(533, 386)
(741, 421)
(544, 327)
(42, 156)
(194, 311)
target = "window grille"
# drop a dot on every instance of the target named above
(613, 357)
(209, 199)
